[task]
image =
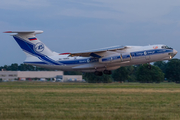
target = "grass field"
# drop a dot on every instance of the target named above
(116, 101)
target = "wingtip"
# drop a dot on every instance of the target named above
(7, 32)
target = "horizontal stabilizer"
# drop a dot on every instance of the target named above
(31, 45)
(25, 32)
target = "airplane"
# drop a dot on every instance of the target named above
(98, 61)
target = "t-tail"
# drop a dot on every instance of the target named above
(32, 46)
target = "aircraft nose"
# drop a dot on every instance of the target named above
(174, 51)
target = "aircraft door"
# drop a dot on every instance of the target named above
(147, 57)
(132, 55)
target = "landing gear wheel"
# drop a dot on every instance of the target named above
(98, 73)
(149, 66)
(107, 72)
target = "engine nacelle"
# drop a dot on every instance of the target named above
(116, 58)
(126, 57)
(110, 59)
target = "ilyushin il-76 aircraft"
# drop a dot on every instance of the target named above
(98, 61)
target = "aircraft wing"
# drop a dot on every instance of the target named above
(97, 53)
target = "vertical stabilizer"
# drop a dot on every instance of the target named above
(30, 44)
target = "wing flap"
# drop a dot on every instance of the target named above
(97, 53)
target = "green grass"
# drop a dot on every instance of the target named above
(72, 101)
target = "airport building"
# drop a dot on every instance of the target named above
(38, 75)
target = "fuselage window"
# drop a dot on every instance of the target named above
(166, 47)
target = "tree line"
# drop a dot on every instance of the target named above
(21, 67)
(160, 71)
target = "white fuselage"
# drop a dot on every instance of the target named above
(133, 55)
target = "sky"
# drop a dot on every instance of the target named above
(78, 25)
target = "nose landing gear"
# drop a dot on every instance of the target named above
(149, 66)
(107, 72)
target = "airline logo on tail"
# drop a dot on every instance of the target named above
(39, 47)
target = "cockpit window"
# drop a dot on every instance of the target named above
(166, 47)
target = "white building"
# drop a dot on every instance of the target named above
(30, 75)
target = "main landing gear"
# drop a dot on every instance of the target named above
(149, 66)
(98, 73)
(107, 72)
